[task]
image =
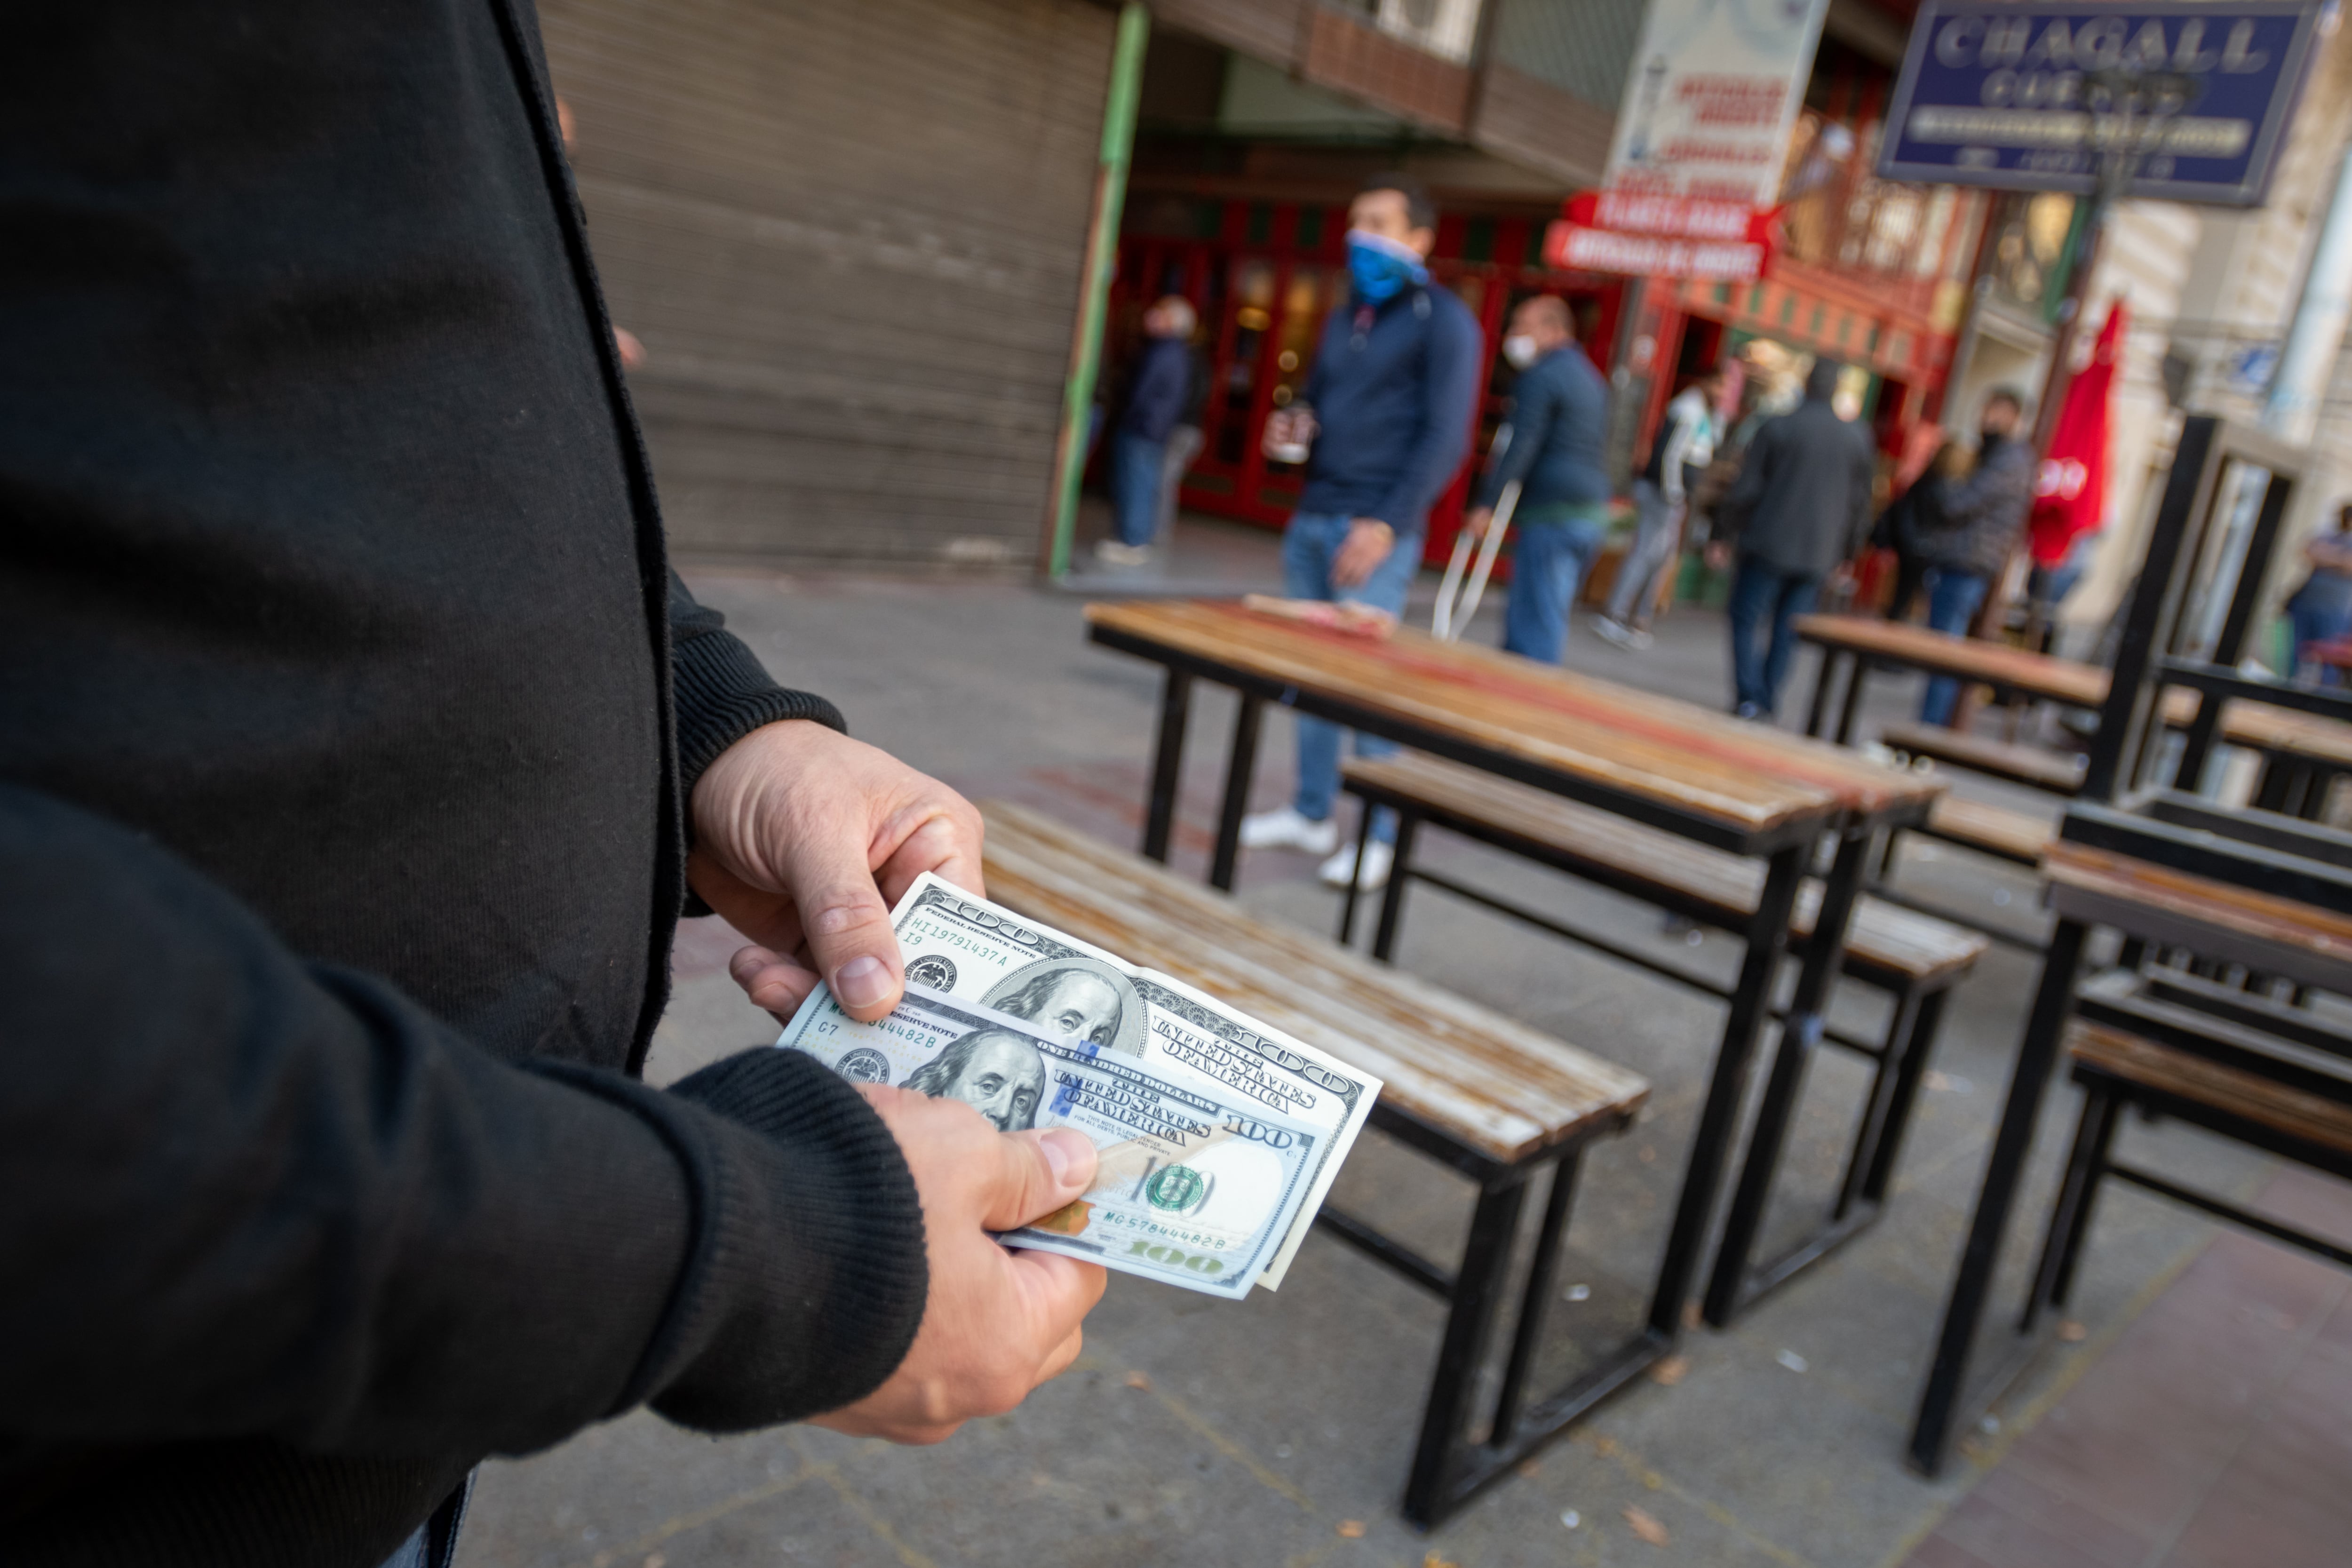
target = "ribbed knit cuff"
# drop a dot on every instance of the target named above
(722, 694)
(807, 1275)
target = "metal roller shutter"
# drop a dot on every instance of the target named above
(850, 237)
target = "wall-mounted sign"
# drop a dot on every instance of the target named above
(1993, 93)
(1701, 138)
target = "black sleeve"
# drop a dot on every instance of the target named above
(723, 694)
(248, 1195)
(1733, 513)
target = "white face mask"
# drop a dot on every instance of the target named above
(1520, 350)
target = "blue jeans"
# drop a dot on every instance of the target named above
(1307, 546)
(1136, 466)
(1547, 566)
(1759, 593)
(1653, 543)
(1952, 601)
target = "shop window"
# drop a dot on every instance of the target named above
(1478, 240)
(1261, 223)
(1310, 228)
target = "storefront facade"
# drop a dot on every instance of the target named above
(1264, 275)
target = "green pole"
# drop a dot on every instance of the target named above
(1094, 283)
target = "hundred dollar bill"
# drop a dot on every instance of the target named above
(967, 947)
(1195, 1186)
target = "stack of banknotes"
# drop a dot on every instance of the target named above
(1218, 1136)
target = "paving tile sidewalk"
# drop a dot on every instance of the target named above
(2216, 1432)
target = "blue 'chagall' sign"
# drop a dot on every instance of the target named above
(1992, 94)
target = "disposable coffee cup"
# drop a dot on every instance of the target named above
(1289, 451)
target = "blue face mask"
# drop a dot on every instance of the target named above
(1381, 267)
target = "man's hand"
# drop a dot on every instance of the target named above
(804, 838)
(998, 1321)
(1477, 520)
(1718, 555)
(1368, 544)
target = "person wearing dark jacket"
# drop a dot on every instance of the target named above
(1157, 398)
(358, 753)
(1799, 510)
(1559, 418)
(1383, 423)
(1983, 515)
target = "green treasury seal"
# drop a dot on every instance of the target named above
(1176, 1187)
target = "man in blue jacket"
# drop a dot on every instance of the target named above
(1387, 408)
(1560, 414)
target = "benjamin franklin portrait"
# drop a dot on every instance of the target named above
(994, 1072)
(1076, 998)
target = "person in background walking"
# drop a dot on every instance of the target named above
(1185, 441)
(1798, 511)
(1385, 417)
(1559, 415)
(1156, 400)
(2320, 609)
(1983, 514)
(1662, 490)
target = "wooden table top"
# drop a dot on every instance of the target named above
(1744, 776)
(1498, 1086)
(2288, 924)
(2280, 731)
(1997, 664)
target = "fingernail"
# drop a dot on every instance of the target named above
(862, 981)
(1061, 1150)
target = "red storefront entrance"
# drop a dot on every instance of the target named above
(1264, 276)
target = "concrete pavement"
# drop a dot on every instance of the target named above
(1277, 1431)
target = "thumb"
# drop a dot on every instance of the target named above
(845, 922)
(1037, 1172)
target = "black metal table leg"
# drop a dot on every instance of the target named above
(1878, 1106)
(2070, 1217)
(1167, 763)
(1477, 1296)
(1398, 872)
(1818, 708)
(1536, 1300)
(1887, 1147)
(1799, 1037)
(1241, 762)
(1858, 672)
(1767, 938)
(2037, 1060)
(1392, 901)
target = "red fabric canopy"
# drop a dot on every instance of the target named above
(2070, 490)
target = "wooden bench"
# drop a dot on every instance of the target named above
(2034, 766)
(1914, 958)
(2285, 1101)
(1989, 829)
(1997, 831)
(1480, 1092)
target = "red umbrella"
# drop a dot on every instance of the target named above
(2069, 491)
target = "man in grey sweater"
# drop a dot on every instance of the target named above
(1799, 509)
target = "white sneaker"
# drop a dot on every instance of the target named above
(1632, 638)
(1284, 828)
(1111, 553)
(1379, 858)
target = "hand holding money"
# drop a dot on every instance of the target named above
(997, 1322)
(795, 828)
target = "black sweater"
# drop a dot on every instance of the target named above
(347, 707)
